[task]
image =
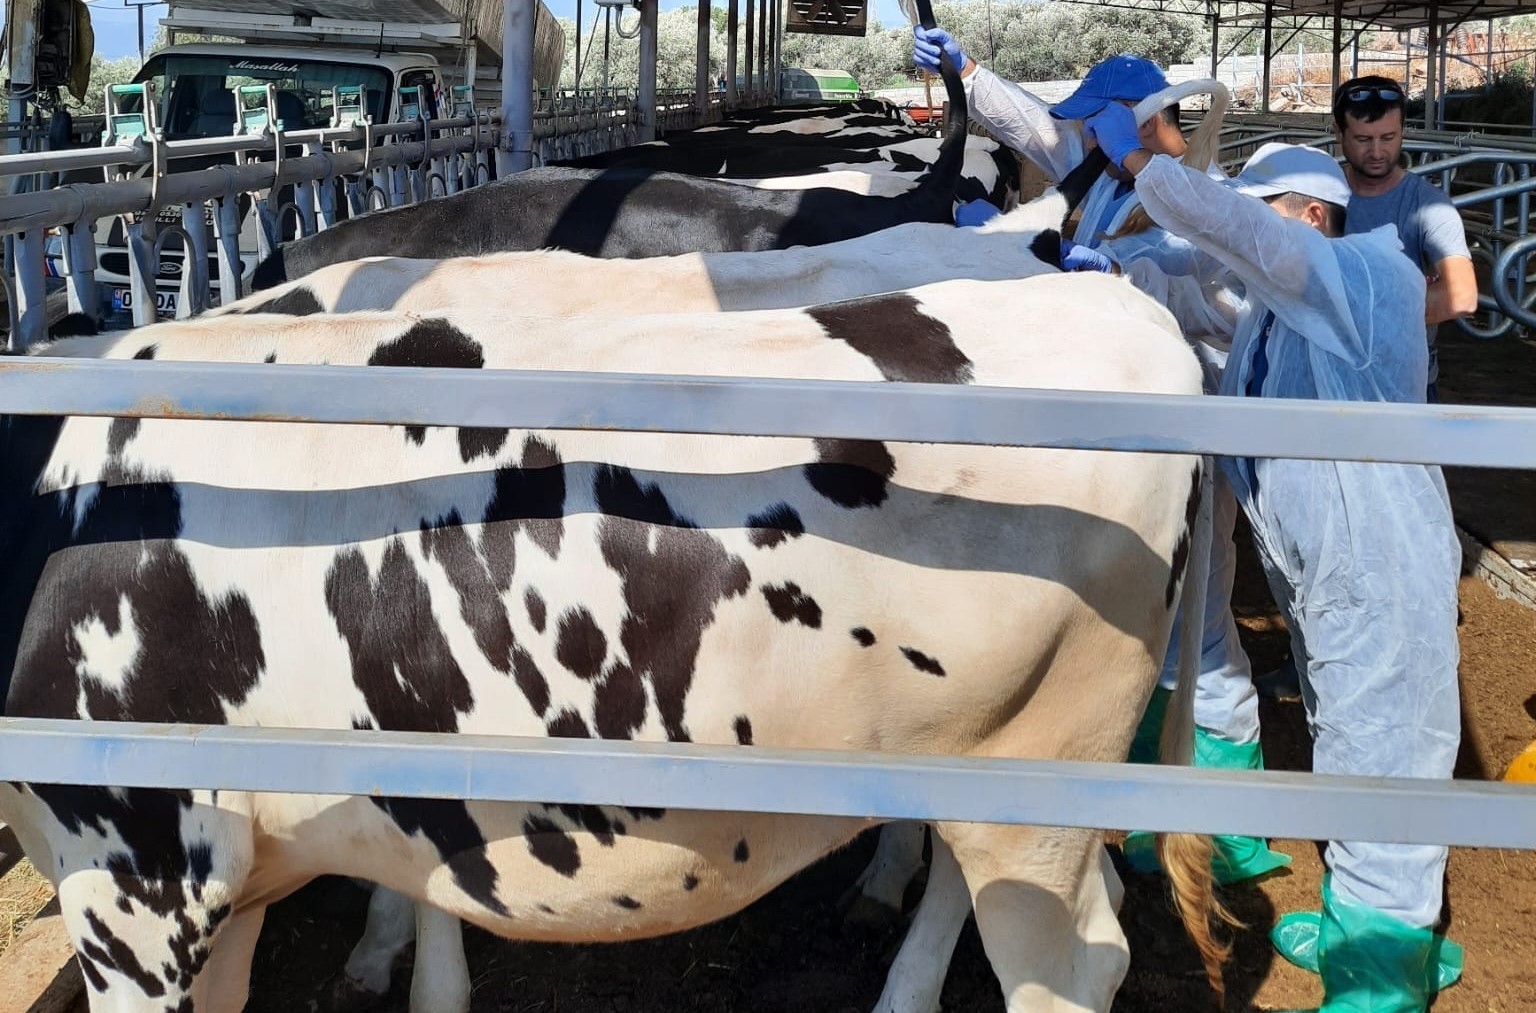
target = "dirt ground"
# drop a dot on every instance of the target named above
(793, 952)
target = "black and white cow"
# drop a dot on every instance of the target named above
(581, 584)
(625, 213)
(1020, 244)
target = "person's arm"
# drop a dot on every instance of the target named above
(1453, 285)
(1023, 122)
(1452, 292)
(1286, 265)
(1019, 119)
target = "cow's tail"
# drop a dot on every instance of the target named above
(935, 197)
(1187, 857)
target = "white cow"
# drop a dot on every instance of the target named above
(628, 585)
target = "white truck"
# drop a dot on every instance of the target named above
(306, 51)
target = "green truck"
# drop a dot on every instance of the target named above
(811, 84)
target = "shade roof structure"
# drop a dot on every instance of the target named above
(1396, 14)
(1400, 15)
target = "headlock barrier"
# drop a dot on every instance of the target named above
(756, 779)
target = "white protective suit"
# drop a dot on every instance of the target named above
(1024, 122)
(1367, 552)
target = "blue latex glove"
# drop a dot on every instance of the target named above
(1114, 127)
(976, 212)
(926, 44)
(1076, 257)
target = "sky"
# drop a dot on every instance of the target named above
(116, 23)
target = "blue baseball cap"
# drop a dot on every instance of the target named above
(1292, 168)
(1124, 77)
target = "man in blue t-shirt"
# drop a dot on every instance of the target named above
(1368, 121)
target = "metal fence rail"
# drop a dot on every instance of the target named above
(750, 778)
(1490, 437)
(1109, 796)
(281, 182)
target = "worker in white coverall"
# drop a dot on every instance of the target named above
(1367, 550)
(1206, 297)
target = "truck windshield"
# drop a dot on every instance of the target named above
(196, 97)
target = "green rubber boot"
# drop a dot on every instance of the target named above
(1297, 938)
(1372, 963)
(1144, 747)
(1236, 858)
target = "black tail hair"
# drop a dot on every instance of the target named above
(1047, 247)
(943, 179)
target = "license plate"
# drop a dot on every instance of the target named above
(165, 302)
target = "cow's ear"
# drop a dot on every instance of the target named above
(1047, 247)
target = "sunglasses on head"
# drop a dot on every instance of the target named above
(1386, 93)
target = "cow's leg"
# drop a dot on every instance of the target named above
(147, 882)
(1044, 910)
(230, 962)
(440, 976)
(390, 928)
(917, 976)
(440, 981)
(875, 897)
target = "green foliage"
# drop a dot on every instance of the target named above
(103, 73)
(1506, 101)
(1022, 41)
(1046, 42)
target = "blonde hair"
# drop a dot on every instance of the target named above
(1199, 152)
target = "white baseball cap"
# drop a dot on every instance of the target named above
(1292, 168)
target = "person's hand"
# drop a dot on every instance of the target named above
(1076, 257)
(1114, 128)
(975, 212)
(926, 45)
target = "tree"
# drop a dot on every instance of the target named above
(1022, 41)
(103, 73)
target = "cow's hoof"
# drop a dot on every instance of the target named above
(868, 913)
(348, 996)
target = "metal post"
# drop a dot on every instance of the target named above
(517, 24)
(647, 90)
(777, 14)
(576, 65)
(1354, 56)
(702, 85)
(607, 38)
(762, 49)
(750, 62)
(1430, 72)
(730, 52)
(1269, 41)
(22, 23)
(1215, 12)
(1338, 48)
(1440, 81)
(1488, 57)
(80, 269)
(194, 260)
